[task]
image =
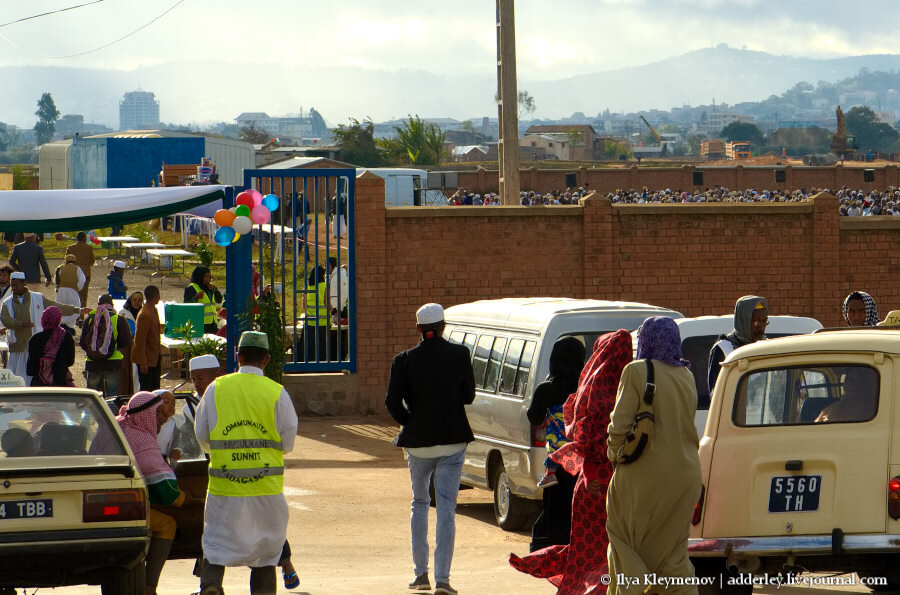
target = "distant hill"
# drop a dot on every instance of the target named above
(194, 91)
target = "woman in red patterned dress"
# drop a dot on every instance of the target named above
(578, 568)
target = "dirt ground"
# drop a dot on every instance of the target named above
(348, 492)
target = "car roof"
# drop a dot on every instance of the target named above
(48, 390)
(710, 325)
(534, 313)
(862, 340)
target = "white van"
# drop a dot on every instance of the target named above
(698, 335)
(406, 187)
(511, 340)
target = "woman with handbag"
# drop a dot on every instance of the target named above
(580, 566)
(652, 494)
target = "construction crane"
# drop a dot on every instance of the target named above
(842, 144)
(664, 146)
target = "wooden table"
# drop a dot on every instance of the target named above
(160, 253)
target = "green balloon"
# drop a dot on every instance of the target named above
(242, 210)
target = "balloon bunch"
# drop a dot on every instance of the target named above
(251, 207)
(92, 236)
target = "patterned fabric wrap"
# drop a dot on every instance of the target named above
(659, 339)
(556, 429)
(579, 567)
(871, 309)
(50, 319)
(140, 431)
(102, 316)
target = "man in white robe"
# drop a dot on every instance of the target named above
(239, 528)
(69, 280)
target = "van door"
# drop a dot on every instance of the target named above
(801, 448)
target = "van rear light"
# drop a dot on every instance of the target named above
(698, 508)
(114, 505)
(538, 436)
(894, 498)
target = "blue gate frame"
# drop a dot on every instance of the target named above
(306, 196)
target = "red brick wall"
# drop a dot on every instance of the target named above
(697, 259)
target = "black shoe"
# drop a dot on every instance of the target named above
(420, 583)
(445, 589)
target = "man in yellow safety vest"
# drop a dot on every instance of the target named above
(246, 422)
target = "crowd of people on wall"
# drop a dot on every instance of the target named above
(853, 201)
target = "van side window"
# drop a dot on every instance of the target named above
(807, 395)
(456, 337)
(510, 365)
(469, 342)
(524, 368)
(493, 369)
(479, 362)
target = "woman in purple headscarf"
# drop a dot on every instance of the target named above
(51, 352)
(650, 502)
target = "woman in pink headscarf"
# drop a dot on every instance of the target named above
(140, 421)
(51, 352)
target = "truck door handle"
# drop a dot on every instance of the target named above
(793, 465)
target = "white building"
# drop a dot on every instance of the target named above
(138, 110)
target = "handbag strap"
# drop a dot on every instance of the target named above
(650, 389)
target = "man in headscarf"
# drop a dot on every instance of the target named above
(859, 309)
(106, 340)
(140, 421)
(751, 317)
(20, 313)
(69, 281)
(247, 423)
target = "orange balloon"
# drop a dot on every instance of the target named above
(224, 217)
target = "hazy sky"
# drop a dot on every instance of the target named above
(555, 38)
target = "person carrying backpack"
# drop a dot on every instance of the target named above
(106, 339)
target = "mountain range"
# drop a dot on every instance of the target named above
(201, 92)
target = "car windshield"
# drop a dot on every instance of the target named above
(55, 425)
(807, 395)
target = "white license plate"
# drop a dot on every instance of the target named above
(26, 509)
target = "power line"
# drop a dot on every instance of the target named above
(43, 14)
(97, 49)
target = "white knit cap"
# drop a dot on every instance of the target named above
(204, 362)
(119, 264)
(430, 314)
(18, 275)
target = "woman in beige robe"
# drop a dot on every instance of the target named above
(650, 501)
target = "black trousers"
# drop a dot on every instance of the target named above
(149, 381)
(554, 524)
(262, 579)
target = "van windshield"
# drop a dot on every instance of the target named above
(818, 394)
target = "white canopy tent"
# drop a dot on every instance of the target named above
(69, 210)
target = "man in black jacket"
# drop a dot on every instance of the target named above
(429, 386)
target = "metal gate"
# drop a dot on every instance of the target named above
(306, 252)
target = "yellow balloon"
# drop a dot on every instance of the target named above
(237, 236)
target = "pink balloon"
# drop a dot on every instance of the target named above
(257, 197)
(260, 214)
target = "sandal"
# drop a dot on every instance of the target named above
(291, 580)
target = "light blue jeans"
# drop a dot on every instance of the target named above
(447, 471)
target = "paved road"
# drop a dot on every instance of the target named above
(348, 490)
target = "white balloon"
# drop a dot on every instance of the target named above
(242, 225)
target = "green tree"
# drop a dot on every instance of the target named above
(871, 134)
(415, 142)
(357, 143)
(47, 116)
(525, 102)
(737, 131)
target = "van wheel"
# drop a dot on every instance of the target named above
(510, 510)
(716, 575)
(892, 578)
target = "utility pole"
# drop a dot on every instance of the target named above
(508, 104)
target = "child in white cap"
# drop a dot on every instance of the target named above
(116, 277)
